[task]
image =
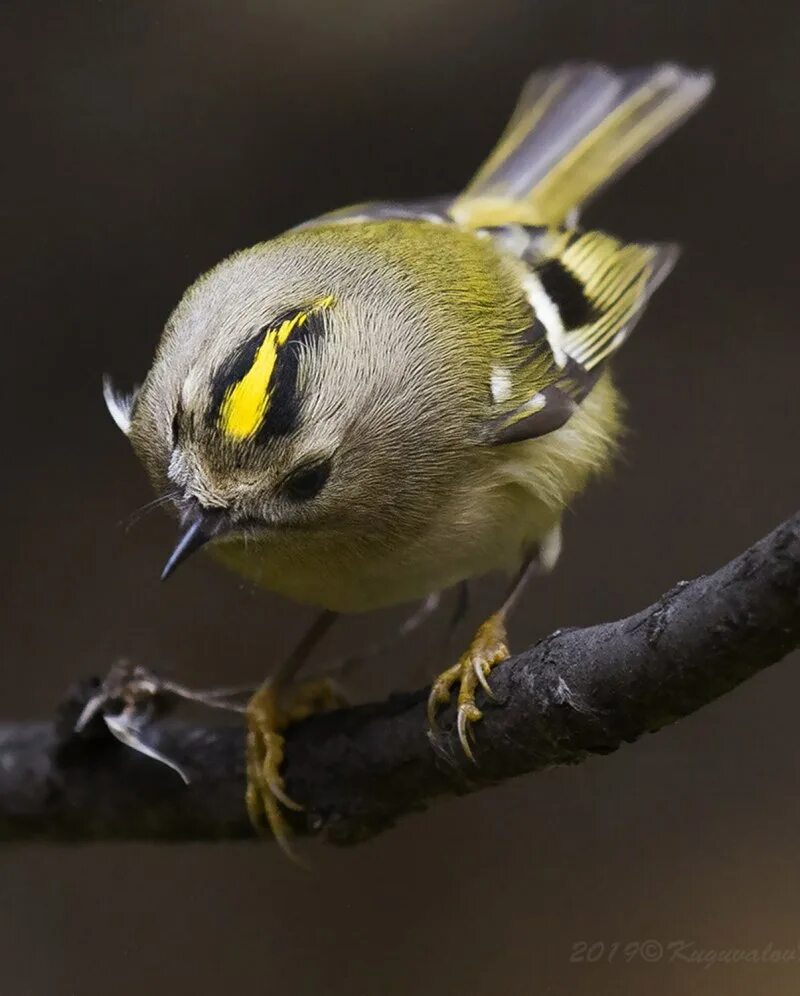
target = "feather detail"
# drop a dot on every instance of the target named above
(605, 287)
(119, 404)
(586, 290)
(576, 129)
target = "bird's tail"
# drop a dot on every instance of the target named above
(574, 130)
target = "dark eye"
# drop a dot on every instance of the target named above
(307, 482)
(176, 423)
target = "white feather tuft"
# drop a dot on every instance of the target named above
(500, 385)
(119, 405)
(550, 549)
(546, 310)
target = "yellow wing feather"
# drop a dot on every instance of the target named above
(617, 280)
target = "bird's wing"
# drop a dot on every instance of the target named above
(586, 291)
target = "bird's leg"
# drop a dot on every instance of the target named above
(268, 714)
(340, 669)
(275, 705)
(460, 609)
(487, 649)
(337, 670)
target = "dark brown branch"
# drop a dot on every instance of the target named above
(576, 693)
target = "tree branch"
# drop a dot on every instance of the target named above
(576, 693)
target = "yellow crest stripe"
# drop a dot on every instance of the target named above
(245, 404)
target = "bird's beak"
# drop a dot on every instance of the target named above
(196, 532)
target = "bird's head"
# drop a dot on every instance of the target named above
(295, 392)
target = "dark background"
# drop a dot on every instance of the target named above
(144, 141)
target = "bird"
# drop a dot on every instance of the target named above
(396, 397)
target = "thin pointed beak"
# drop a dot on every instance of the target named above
(193, 536)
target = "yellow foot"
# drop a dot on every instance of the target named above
(487, 649)
(267, 719)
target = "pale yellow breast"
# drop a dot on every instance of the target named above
(481, 534)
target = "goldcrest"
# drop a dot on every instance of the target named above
(396, 397)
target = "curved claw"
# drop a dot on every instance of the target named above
(467, 715)
(277, 789)
(440, 693)
(266, 817)
(433, 708)
(480, 674)
(488, 648)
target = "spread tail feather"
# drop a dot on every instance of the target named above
(575, 129)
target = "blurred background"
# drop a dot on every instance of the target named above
(143, 142)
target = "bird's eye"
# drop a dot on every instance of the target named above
(176, 424)
(306, 482)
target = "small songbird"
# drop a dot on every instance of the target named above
(396, 397)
